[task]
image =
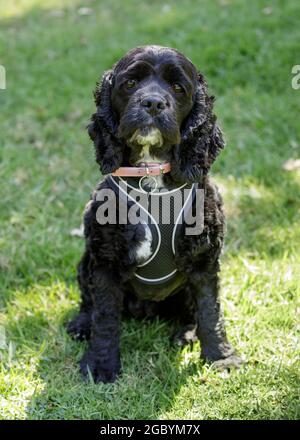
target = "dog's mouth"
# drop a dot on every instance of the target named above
(138, 129)
(148, 136)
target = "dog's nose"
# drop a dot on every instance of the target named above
(154, 104)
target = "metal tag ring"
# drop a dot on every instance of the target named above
(148, 177)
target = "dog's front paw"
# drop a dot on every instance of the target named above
(80, 327)
(91, 365)
(228, 363)
(222, 356)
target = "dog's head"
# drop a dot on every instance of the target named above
(153, 106)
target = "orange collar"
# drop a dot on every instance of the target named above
(149, 169)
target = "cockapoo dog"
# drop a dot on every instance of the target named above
(155, 134)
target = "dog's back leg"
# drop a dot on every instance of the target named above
(181, 309)
(138, 308)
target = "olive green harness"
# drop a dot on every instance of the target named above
(160, 267)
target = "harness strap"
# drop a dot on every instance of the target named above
(160, 267)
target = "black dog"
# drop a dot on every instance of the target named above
(152, 106)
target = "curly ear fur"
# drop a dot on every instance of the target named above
(102, 128)
(201, 139)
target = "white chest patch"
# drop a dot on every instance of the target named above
(143, 251)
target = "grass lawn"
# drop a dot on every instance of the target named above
(53, 52)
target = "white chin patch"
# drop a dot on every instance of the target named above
(152, 137)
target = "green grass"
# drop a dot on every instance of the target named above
(53, 56)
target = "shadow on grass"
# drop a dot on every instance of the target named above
(152, 373)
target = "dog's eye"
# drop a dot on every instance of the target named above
(130, 83)
(177, 88)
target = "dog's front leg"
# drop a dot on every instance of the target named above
(102, 358)
(210, 323)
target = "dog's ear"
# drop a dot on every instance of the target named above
(201, 139)
(103, 127)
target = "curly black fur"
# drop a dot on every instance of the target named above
(108, 264)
